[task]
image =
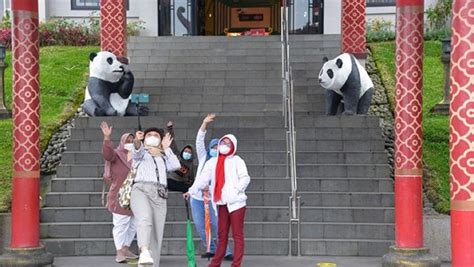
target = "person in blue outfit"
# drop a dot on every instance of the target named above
(197, 200)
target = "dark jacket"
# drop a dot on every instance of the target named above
(188, 170)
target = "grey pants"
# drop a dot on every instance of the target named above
(150, 213)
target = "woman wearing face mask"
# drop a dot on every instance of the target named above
(152, 160)
(183, 178)
(117, 166)
(197, 199)
(229, 179)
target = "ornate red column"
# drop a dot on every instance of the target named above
(461, 137)
(408, 140)
(25, 247)
(353, 28)
(113, 26)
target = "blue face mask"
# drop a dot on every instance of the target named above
(213, 152)
(187, 155)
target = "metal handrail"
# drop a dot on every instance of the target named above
(288, 113)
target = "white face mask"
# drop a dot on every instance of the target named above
(128, 146)
(224, 149)
(152, 141)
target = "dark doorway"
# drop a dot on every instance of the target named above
(306, 16)
(178, 17)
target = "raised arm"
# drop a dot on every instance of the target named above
(201, 136)
(170, 130)
(108, 151)
(171, 160)
(139, 150)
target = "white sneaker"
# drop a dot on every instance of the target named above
(145, 258)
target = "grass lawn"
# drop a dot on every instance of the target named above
(435, 127)
(63, 76)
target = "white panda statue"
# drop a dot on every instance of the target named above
(347, 82)
(110, 87)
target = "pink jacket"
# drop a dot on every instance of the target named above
(115, 172)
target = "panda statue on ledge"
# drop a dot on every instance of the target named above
(347, 83)
(110, 87)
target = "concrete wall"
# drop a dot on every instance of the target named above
(388, 13)
(332, 17)
(437, 235)
(5, 230)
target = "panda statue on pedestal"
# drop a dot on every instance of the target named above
(110, 87)
(348, 83)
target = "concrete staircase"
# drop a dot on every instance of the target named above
(343, 176)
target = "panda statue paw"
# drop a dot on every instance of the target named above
(143, 111)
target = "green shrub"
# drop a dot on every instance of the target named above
(439, 15)
(380, 30)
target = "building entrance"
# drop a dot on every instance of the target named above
(237, 17)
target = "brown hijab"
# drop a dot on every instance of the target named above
(121, 153)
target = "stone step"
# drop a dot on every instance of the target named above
(228, 94)
(243, 145)
(315, 65)
(213, 56)
(259, 157)
(255, 198)
(239, 83)
(264, 170)
(210, 75)
(244, 134)
(222, 52)
(239, 122)
(317, 230)
(260, 145)
(253, 213)
(334, 184)
(253, 246)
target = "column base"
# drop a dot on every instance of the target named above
(441, 108)
(419, 257)
(5, 114)
(31, 257)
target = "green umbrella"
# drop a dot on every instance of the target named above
(189, 240)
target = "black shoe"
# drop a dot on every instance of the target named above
(207, 255)
(229, 257)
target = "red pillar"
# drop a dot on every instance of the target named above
(353, 27)
(26, 105)
(113, 26)
(461, 138)
(408, 249)
(408, 125)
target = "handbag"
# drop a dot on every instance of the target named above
(125, 191)
(162, 189)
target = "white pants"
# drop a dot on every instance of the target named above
(124, 230)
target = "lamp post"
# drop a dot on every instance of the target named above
(4, 113)
(443, 106)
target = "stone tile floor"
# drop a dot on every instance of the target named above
(249, 261)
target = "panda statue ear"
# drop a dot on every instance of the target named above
(325, 59)
(92, 56)
(339, 63)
